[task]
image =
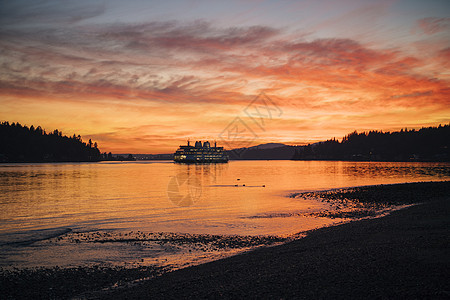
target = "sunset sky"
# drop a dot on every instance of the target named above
(144, 76)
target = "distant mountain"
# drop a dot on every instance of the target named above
(268, 146)
(425, 144)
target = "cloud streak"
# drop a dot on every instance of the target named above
(434, 25)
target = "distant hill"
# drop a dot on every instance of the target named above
(32, 144)
(270, 151)
(268, 146)
(426, 144)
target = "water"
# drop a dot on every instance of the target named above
(45, 207)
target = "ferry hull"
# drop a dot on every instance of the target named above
(195, 161)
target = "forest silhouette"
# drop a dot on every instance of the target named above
(33, 144)
(426, 144)
(20, 143)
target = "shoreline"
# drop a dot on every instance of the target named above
(403, 254)
(308, 267)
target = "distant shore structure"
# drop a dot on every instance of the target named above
(200, 153)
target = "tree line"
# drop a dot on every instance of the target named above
(20, 143)
(426, 144)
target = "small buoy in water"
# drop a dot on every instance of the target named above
(243, 185)
(235, 185)
(264, 185)
(238, 179)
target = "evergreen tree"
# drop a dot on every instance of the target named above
(426, 144)
(22, 144)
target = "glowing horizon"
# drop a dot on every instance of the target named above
(145, 77)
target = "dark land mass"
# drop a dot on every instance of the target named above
(154, 156)
(117, 157)
(426, 144)
(255, 153)
(402, 255)
(29, 144)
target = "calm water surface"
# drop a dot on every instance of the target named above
(40, 201)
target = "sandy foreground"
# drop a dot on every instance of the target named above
(403, 255)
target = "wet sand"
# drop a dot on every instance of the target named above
(405, 254)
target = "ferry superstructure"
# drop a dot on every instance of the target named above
(200, 153)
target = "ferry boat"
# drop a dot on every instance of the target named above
(200, 153)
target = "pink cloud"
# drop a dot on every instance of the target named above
(434, 25)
